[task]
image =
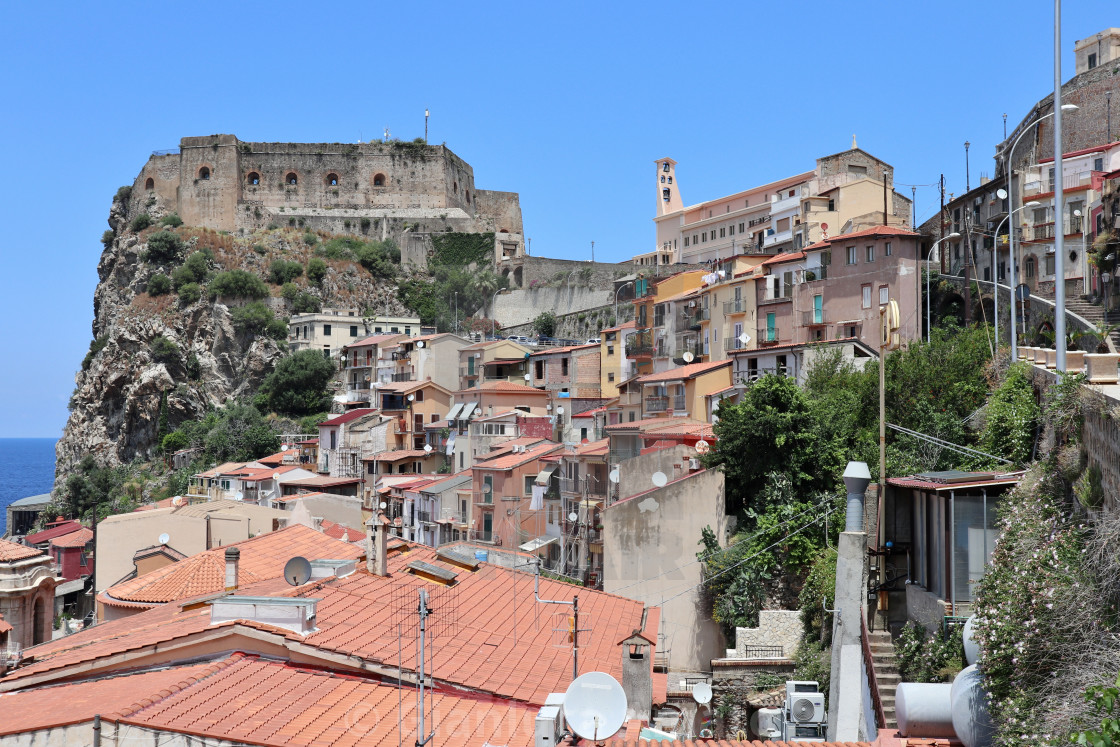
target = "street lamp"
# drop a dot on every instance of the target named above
(929, 322)
(1011, 228)
(995, 278)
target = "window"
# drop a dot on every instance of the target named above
(884, 295)
(353, 330)
(204, 172)
(867, 296)
(870, 253)
(852, 259)
(887, 249)
(291, 179)
(326, 330)
(253, 178)
(332, 180)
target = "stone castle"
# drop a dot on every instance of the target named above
(404, 191)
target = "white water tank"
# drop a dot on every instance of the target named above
(924, 709)
(970, 709)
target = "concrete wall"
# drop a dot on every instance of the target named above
(775, 628)
(649, 554)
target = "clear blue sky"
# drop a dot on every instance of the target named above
(568, 104)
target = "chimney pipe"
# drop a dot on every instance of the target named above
(233, 558)
(856, 477)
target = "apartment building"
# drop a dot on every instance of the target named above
(846, 191)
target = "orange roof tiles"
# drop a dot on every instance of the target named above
(262, 557)
(10, 551)
(684, 372)
(74, 539)
(503, 643)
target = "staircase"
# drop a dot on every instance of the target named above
(886, 672)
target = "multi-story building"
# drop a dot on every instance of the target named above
(846, 191)
(330, 330)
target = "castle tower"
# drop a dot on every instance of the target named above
(668, 192)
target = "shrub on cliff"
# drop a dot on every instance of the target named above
(284, 271)
(189, 294)
(298, 385)
(163, 247)
(316, 270)
(195, 270)
(159, 285)
(238, 284)
(140, 222)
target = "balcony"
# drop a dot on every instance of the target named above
(737, 306)
(657, 403)
(813, 318)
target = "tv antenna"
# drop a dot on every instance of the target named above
(297, 571)
(595, 706)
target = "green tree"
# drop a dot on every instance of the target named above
(298, 385)
(159, 285)
(545, 324)
(164, 247)
(238, 284)
(316, 270)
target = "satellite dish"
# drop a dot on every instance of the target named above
(411, 397)
(659, 479)
(595, 706)
(702, 693)
(688, 357)
(164, 538)
(702, 447)
(1001, 193)
(744, 338)
(297, 571)
(419, 343)
(573, 516)
(614, 475)
(427, 448)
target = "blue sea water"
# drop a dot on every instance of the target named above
(26, 468)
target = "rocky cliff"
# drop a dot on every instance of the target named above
(115, 408)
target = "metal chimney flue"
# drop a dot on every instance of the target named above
(856, 477)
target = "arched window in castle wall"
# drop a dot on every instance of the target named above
(291, 179)
(253, 178)
(332, 180)
(379, 180)
(204, 172)
(150, 184)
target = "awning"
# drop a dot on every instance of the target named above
(536, 544)
(546, 474)
(454, 411)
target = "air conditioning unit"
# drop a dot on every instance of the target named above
(804, 715)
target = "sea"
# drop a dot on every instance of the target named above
(26, 468)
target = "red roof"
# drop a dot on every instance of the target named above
(11, 551)
(56, 531)
(684, 372)
(74, 539)
(346, 417)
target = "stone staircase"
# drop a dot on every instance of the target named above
(886, 672)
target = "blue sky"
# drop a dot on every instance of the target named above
(568, 104)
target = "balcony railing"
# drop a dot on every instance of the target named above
(737, 306)
(657, 403)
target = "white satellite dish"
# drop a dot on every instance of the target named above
(744, 338)
(702, 693)
(297, 571)
(573, 516)
(411, 397)
(688, 357)
(164, 538)
(659, 479)
(427, 448)
(614, 475)
(419, 343)
(595, 706)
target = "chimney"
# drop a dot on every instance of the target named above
(377, 539)
(233, 557)
(637, 676)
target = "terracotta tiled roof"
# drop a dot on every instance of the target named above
(56, 531)
(262, 557)
(346, 417)
(344, 533)
(509, 461)
(74, 539)
(684, 372)
(44, 707)
(355, 616)
(10, 551)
